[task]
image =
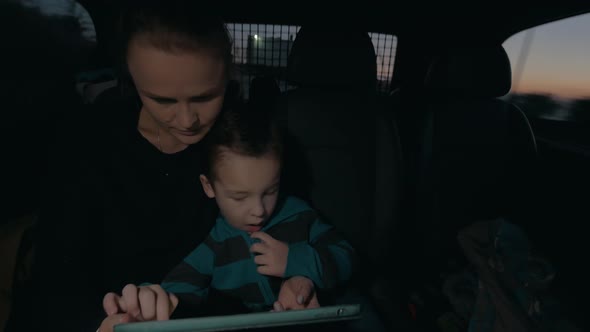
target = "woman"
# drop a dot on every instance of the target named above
(124, 188)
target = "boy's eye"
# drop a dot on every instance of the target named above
(238, 199)
(272, 191)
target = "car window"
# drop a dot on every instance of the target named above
(385, 48)
(551, 69)
(70, 15)
(263, 49)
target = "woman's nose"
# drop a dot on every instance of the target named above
(186, 117)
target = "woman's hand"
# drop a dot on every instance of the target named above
(108, 324)
(296, 293)
(137, 304)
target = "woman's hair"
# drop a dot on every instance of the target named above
(243, 130)
(175, 25)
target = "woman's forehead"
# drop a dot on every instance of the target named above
(170, 72)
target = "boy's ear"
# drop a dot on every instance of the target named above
(207, 187)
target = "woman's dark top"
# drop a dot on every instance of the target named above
(115, 210)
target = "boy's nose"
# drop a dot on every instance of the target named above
(258, 210)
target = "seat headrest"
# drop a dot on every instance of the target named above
(325, 56)
(474, 72)
(264, 87)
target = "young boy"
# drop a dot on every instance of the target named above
(260, 237)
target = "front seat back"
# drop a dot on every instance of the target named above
(336, 125)
(476, 152)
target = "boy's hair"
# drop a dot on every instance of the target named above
(243, 130)
(175, 25)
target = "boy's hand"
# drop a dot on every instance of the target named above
(296, 293)
(141, 303)
(272, 258)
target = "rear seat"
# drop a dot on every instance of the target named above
(344, 153)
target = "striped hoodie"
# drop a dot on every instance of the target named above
(224, 261)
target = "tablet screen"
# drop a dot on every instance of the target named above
(259, 320)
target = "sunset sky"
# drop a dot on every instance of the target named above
(558, 61)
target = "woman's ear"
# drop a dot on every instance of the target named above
(207, 186)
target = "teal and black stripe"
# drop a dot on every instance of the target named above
(185, 273)
(230, 250)
(224, 262)
(296, 229)
(249, 293)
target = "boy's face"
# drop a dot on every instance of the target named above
(245, 188)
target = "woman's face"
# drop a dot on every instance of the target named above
(182, 90)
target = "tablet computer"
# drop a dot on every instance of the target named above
(259, 320)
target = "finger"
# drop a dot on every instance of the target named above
(313, 303)
(130, 297)
(162, 303)
(147, 303)
(261, 260)
(112, 304)
(262, 237)
(304, 291)
(277, 306)
(259, 248)
(108, 323)
(173, 303)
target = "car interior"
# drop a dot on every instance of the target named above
(407, 128)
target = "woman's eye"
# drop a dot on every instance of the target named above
(202, 99)
(164, 101)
